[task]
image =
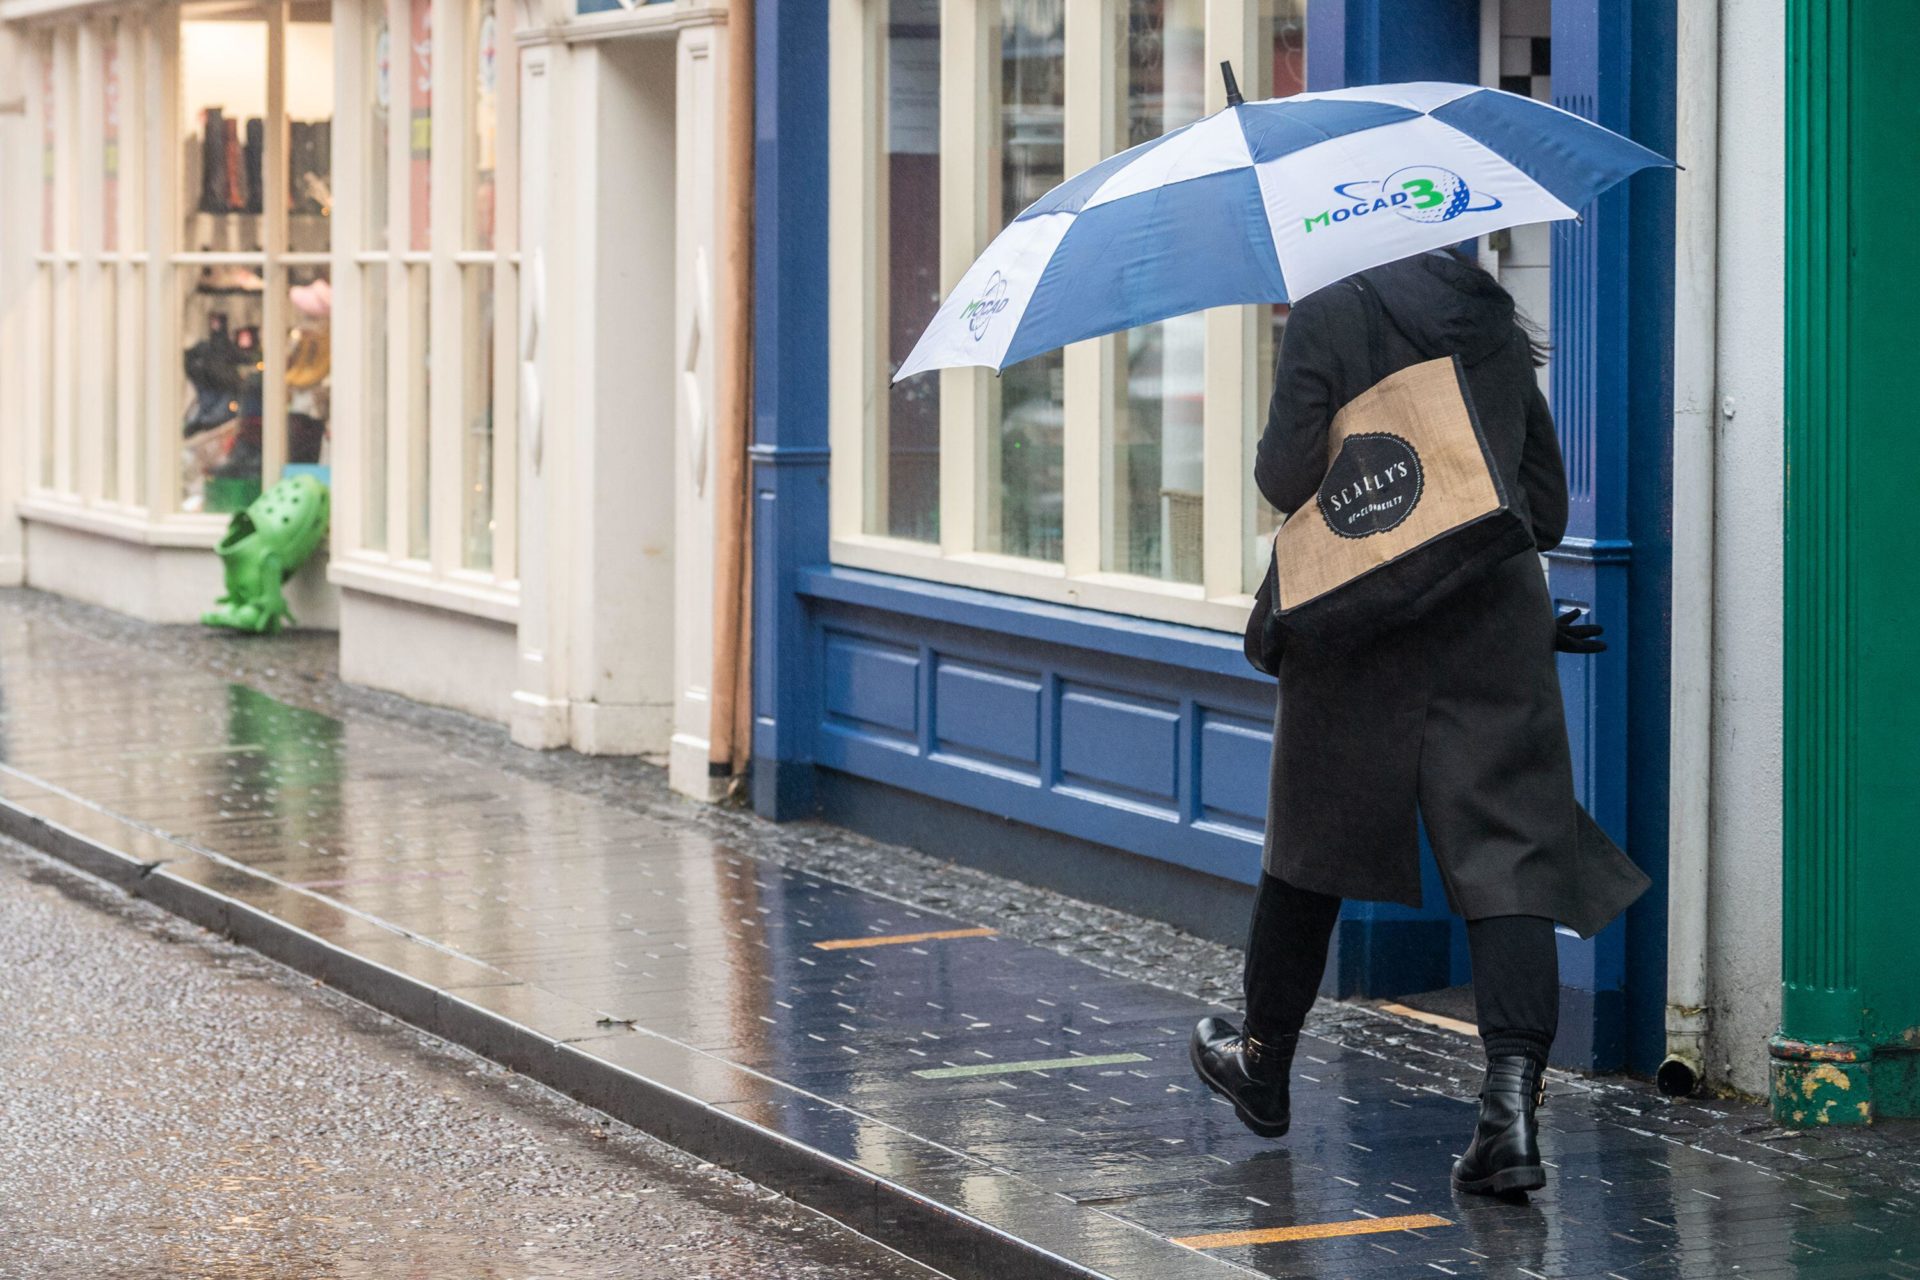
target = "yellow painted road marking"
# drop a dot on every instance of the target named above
(1032, 1064)
(895, 939)
(1312, 1231)
(1433, 1019)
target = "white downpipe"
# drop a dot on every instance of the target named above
(1695, 333)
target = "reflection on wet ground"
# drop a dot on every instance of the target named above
(1019, 1086)
(178, 1106)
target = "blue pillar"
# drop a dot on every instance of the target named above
(1612, 380)
(789, 453)
(1352, 42)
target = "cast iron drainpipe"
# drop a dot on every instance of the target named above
(1695, 333)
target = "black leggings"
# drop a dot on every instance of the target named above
(1516, 970)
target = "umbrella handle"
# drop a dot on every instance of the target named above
(1233, 86)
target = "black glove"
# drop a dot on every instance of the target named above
(1572, 636)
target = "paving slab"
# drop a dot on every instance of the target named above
(938, 1078)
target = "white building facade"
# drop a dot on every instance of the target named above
(459, 256)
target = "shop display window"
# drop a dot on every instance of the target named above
(1281, 65)
(1155, 491)
(907, 503)
(1022, 501)
(221, 268)
(1113, 474)
(211, 281)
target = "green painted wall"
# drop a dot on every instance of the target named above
(1851, 966)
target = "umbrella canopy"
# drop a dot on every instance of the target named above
(1266, 202)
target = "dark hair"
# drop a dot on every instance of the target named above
(1484, 284)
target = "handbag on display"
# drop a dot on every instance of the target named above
(1413, 507)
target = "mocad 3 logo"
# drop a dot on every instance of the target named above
(992, 301)
(1418, 193)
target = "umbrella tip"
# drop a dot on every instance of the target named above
(1233, 86)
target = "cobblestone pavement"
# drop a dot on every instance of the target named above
(575, 855)
(178, 1106)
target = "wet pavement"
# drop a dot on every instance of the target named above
(991, 1087)
(178, 1106)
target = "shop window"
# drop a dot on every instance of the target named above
(376, 126)
(1022, 499)
(1155, 488)
(419, 125)
(1281, 67)
(418, 329)
(1114, 474)
(222, 267)
(432, 474)
(477, 289)
(905, 501)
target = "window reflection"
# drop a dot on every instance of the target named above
(1024, 439)
(1154, 485)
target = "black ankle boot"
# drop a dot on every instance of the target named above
(1505, 1152)
(1249, 1073)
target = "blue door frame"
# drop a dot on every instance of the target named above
(860, 675)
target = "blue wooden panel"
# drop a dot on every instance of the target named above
(1118, 744)
(1235, 754)
(1169, 671)
(987, 714)
(872, 686)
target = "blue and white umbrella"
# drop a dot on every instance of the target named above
(1266, 202)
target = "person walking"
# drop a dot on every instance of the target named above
(1454, 720)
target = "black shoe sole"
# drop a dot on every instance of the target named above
(1264, 1128)
(1521, 1177)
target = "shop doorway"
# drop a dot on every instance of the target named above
(624, 304)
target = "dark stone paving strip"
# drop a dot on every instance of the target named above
(432, 892)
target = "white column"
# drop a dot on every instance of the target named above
(19, 236)
(545, 388)
(698, 175)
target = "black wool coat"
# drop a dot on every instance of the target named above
(1456, 719)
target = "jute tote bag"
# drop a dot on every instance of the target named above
(1412, 507)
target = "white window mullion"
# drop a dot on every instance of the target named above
(160, 175)
(91, 355)
(1095, 33)
(403, 372)
(966, 138)
(348, 386)
(856, 251)
(447, 454)
(133, 273)
(273, 230)
(65, 303)
(1230, 341)
(506, 304)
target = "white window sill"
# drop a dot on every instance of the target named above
(128, 524)
(1176, 602)
(417, 584)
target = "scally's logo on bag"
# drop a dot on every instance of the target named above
(1418, 193)
(1372, 486)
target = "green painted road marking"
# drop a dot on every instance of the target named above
(1042, 1064)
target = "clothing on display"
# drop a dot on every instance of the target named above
(232, 153)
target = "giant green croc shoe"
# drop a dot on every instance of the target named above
(264, 545)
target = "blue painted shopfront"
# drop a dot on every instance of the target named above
(1125, 759)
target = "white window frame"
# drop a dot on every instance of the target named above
(438, 579)
(857, 358)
